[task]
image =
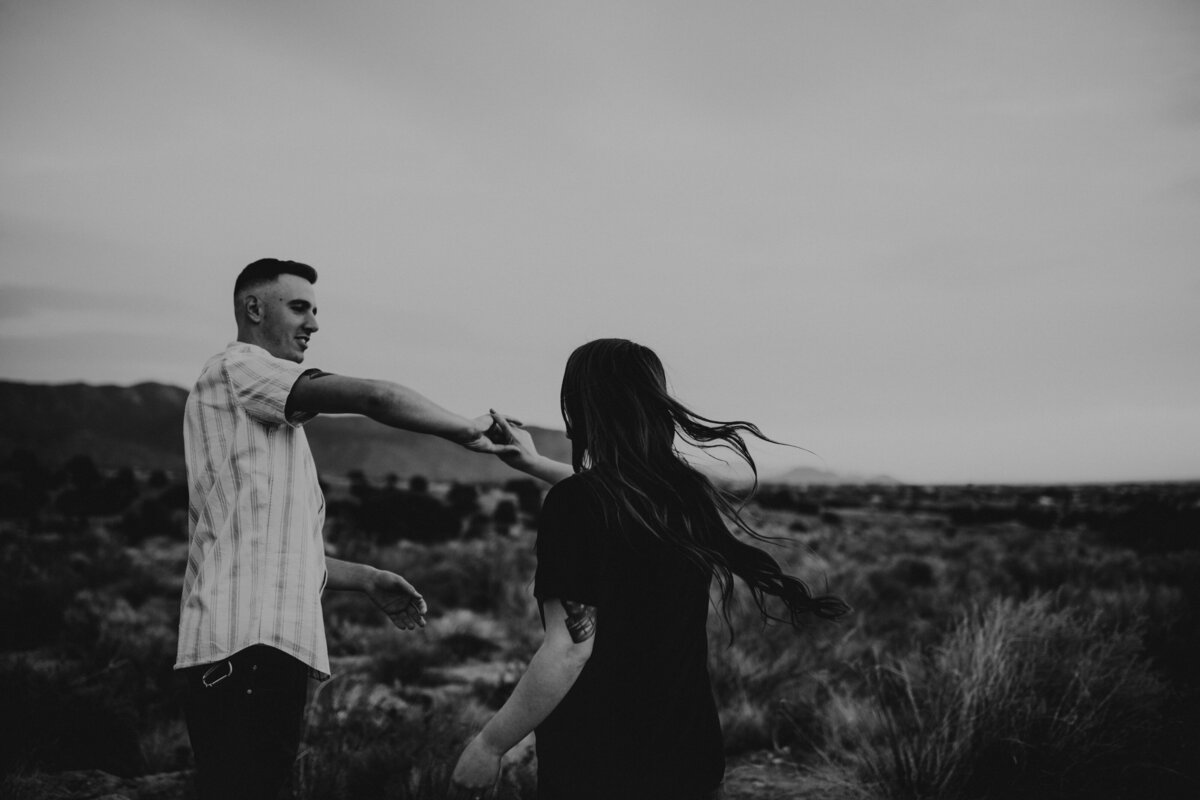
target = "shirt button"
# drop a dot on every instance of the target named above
(249, 691)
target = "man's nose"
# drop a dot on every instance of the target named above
(311, 325)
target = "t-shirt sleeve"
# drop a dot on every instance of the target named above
(261, 384)
(569, 548)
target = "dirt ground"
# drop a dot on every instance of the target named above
(764, 777)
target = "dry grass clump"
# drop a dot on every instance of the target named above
(373, 752)
(1021, 699)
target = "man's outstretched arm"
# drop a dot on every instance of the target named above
(390, 404)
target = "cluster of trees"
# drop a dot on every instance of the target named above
(75, 489)
(155, 503)
(390, 513)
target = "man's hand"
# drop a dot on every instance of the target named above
(488, 439)
(476, 771)
(398, 599)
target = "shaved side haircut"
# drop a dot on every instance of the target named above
(268, 269)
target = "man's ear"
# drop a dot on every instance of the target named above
(253, 308)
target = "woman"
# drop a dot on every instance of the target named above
(629, 540)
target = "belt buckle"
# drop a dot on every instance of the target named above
(208, 684)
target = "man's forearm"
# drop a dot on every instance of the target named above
(348, 576)
(383, 401)
(401, 407)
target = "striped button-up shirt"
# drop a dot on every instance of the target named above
(256, 556)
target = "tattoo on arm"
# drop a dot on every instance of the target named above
(581, 620)
(313, 374)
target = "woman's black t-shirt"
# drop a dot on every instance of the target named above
(640, 720)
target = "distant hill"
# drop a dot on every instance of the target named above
(142, 426)
(810, 475)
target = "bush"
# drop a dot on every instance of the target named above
(401, 755)
(1020, 700)
(58, 717)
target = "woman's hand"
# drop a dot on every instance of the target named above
(476, 771)
(522, 453)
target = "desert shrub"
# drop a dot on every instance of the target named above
(34, 591)
(831, 518)
(160, 512)
(57, 716)
(401, 754)
(407, 662)
(748, 687)
(1154, 525)
(145, 518)
(784, 498)
(489, 574)
(1020, 700)
(405, 659)
(505, 515)
(41, 574)
(463, 499)
(768, 679)
(528, 493)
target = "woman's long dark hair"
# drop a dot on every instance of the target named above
(622, 423)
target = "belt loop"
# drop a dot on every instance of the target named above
(205, 678)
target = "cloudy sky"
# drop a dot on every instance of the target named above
(947, 241)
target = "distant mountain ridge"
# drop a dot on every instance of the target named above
(142, 426)
(810, 475)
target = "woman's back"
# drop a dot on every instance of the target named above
(640, 721)
(629, 541)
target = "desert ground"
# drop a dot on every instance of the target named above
(1033, 641)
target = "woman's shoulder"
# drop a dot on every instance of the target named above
(571, 503)
(574, 489)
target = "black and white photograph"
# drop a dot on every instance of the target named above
(549, 400)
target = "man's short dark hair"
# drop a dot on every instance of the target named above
(268, 269)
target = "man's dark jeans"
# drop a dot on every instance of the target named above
(245, 725)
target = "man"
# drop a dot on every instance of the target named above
(250, 631)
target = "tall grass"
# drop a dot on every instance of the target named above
(368, 753)
(1022, 699)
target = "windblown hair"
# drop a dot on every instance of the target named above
(268, 269)
(622, 423)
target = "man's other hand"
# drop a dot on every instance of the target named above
(398, 599)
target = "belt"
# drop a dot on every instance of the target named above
(260, 660)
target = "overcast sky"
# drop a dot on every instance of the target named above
(947, 241)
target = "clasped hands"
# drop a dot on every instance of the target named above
(502, 436)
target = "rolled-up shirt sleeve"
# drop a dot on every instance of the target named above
(261, 384)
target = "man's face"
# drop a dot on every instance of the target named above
(289, 316)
